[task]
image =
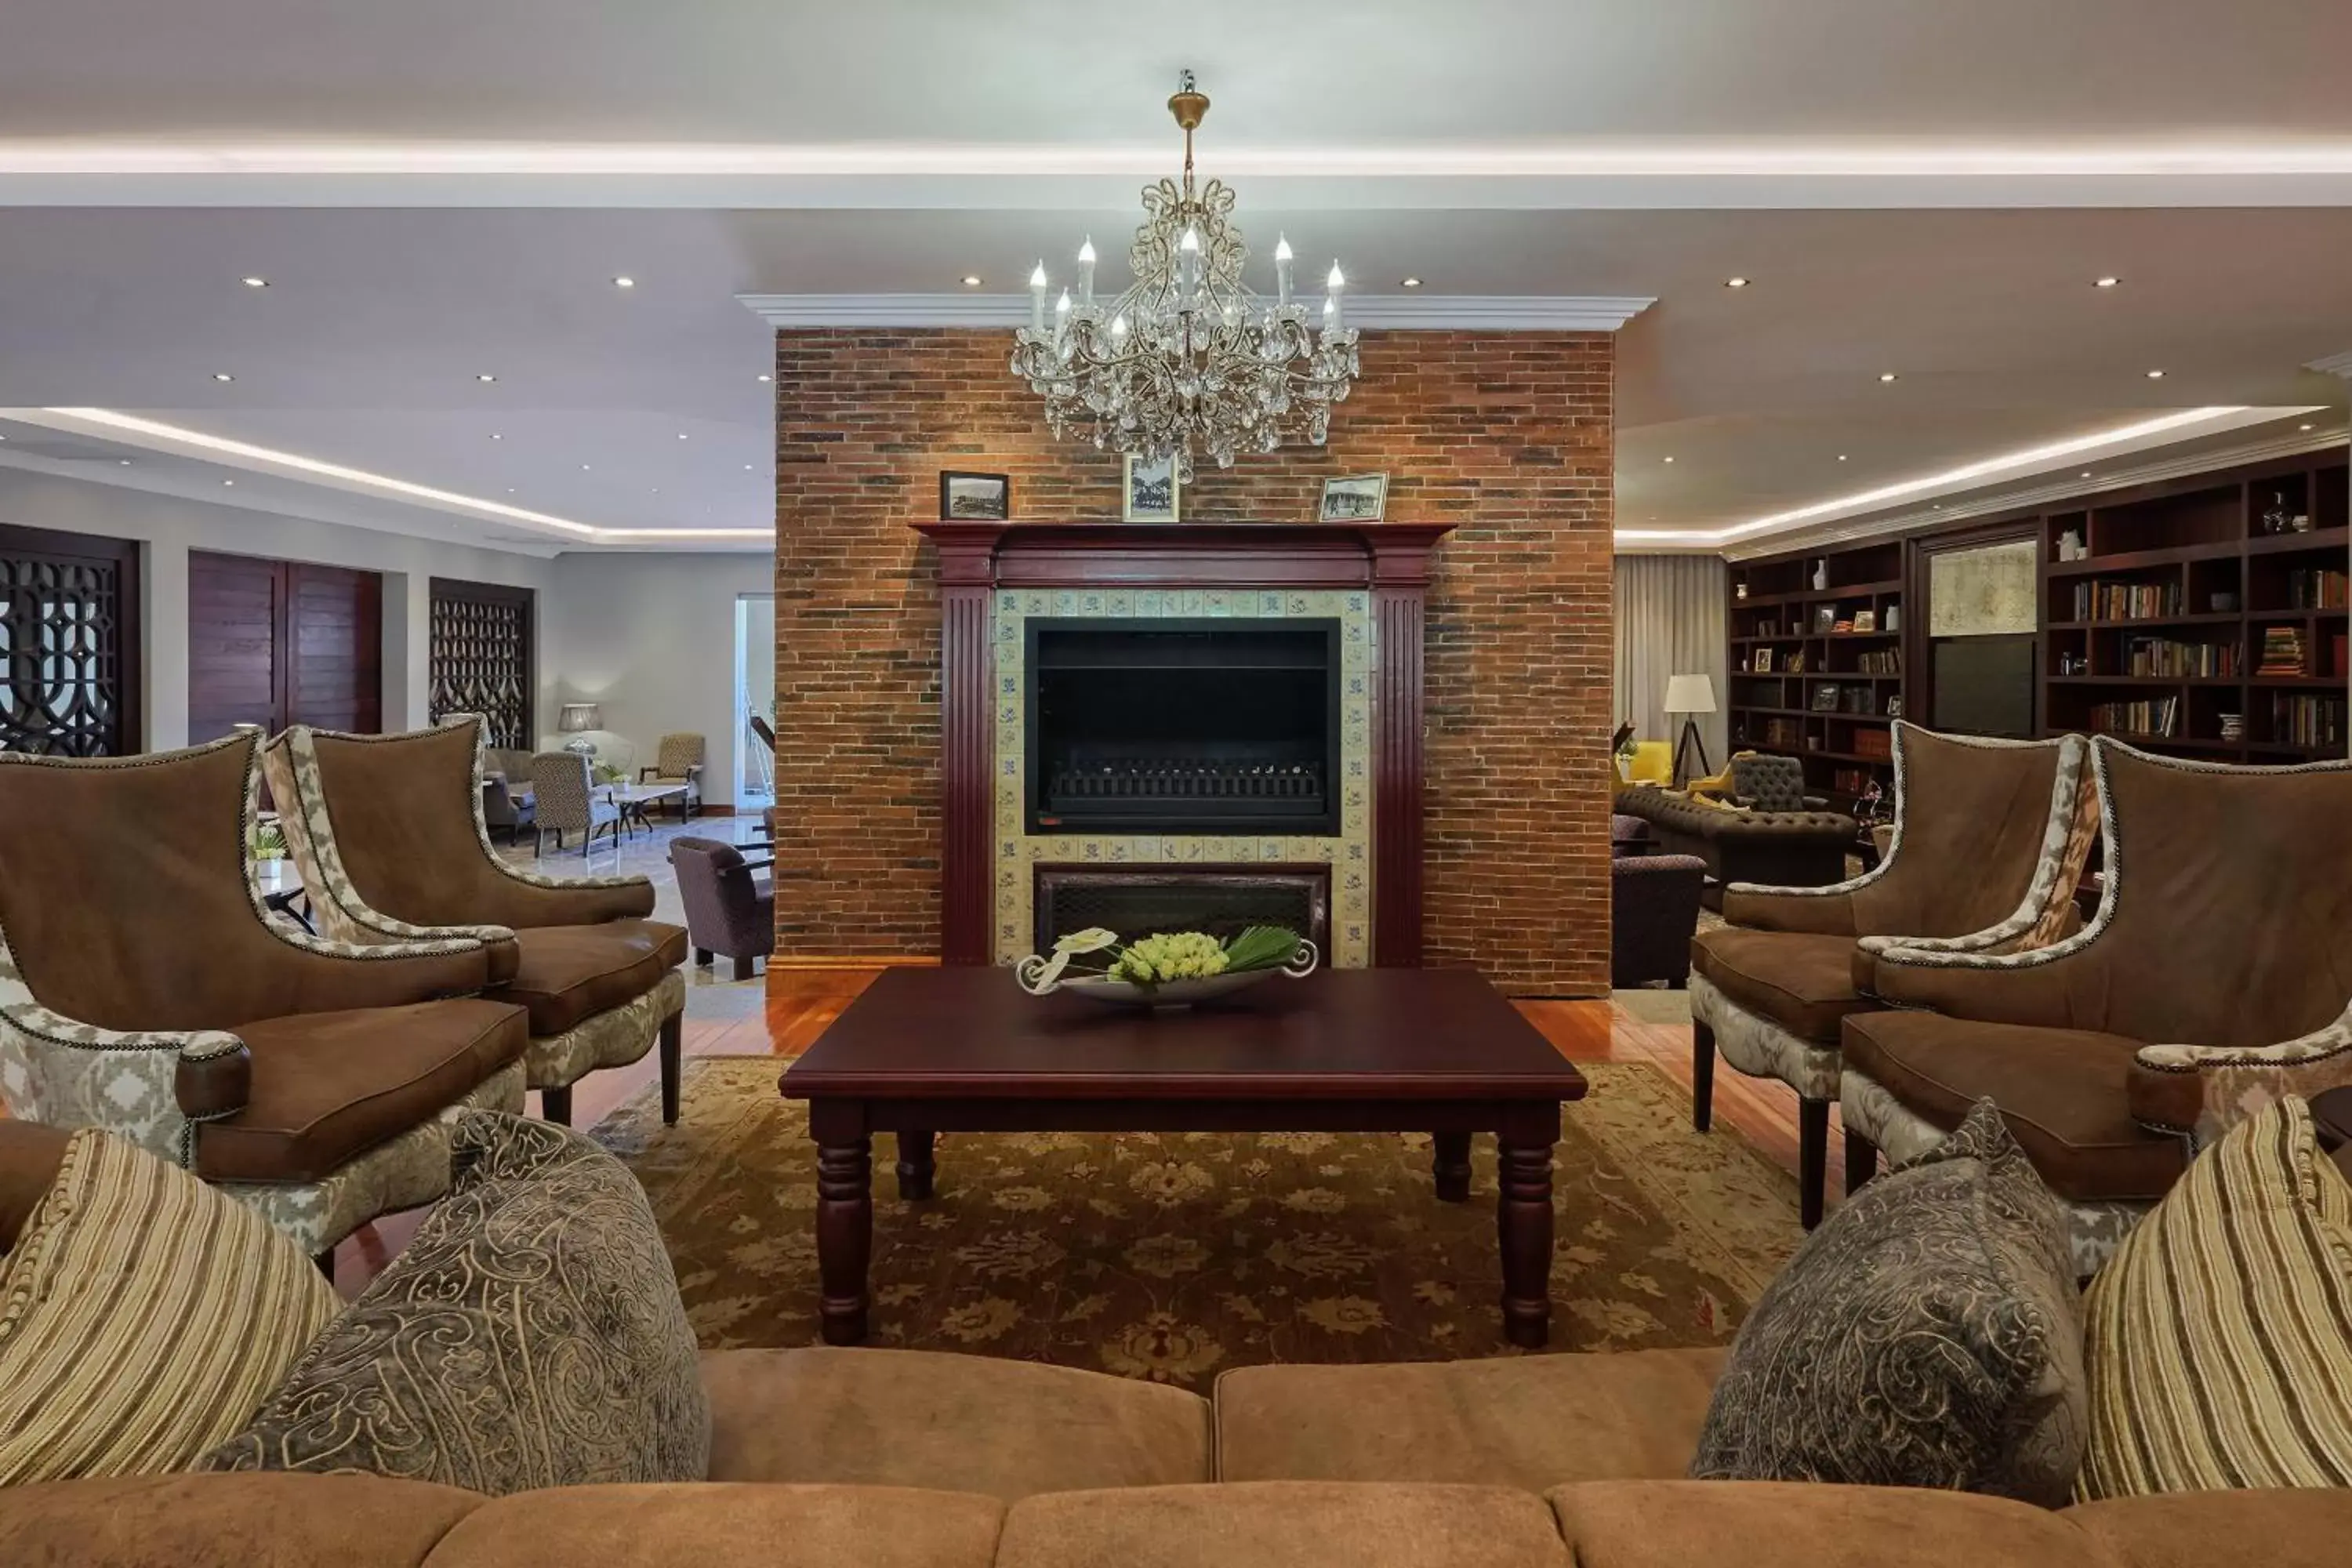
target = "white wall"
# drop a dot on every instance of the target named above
(169, 526)
(650, 639)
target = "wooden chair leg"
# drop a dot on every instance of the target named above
(1702, 1075)
(702, 958)
(673, 1063)
(1861, 1160)
(1812, 1158)
(555, 1105)
(743, 970)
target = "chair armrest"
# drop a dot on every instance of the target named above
(2205, 1090)
(1816, 801)
(2063, 986)
(146, 1087)
(330, 976)
(646, 774)
(754, 865)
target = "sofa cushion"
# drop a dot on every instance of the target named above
(531, 1335)
(2220, 1332)
(2277, 1527)
(143, 1317)
(1283, 1524)
(228, 1522)
(972, 1423)
(2061, 1092)
(567, 974)
(1769, 1524)
(1531, 1422)
(728, 1527)
(1802, 981)
(328, 1087)
(1928, 1335)
(30, 1154)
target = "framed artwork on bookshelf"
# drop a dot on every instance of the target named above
(1760, 661)
(1825, 698)
(1865, 620)
(1824, 617)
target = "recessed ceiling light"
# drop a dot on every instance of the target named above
(1735, 283)
(485, 376)
(2155, 375)
(122, 462)
(495, 437)
(1841, 457)
(749, 467)
(1407, 282)
(229, 481)
(681, 435)
(1935, 506)
(2104, 282)
(1669, 459)
(2302, 427)
(584, 467)
(624, 282)
(510, 490)
(971, 280)
(767, 378)
(255, 282)
(2087, 473)
(223, 376)
(1887, 375)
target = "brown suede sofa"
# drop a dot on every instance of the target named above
(1775, 849)
(913, 1459)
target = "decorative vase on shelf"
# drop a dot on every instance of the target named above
(1821, 575)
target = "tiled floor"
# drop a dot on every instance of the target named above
(781, 1012)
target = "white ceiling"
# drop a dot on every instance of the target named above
(122, 293)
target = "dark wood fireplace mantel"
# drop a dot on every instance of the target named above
(1389, 558)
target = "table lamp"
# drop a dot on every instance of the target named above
(580, 717)
(1689, 695)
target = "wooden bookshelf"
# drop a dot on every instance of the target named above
(2202, 557)
(1831, 711)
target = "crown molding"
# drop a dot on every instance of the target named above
(2181, 465)
(1379, 312)
(2334, 364)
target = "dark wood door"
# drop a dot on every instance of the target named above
(69, 643)
(277, 642)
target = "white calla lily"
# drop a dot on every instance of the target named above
(1093, 940)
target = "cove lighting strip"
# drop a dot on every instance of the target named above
(1641, 160)
(2025, 460)
(384, 484)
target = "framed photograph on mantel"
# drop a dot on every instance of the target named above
(1152, 490)
(984, 497)
(1354, 498)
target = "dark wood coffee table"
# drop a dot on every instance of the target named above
(962, 1050)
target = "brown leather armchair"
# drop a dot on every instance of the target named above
(1989, 838)
(729, 909)
(2213, 979)
(388, 832)
(146, 990)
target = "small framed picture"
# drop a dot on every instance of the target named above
(1153, 490)
(1865, 620)
(1824, 617)
(1894, 707)
(976, 497)
(1354, 498)
(1762, 662)
(1825, 698)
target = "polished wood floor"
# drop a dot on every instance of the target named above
(800, 1001)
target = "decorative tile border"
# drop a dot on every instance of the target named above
(1348, 854)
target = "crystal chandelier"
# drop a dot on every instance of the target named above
(1188, 361)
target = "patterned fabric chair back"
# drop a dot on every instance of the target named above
(679, 755)
(1769, 784)
(561, 783)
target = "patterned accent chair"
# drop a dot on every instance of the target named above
(392, 847)
(1990, 837)
(146, 990)
(678, 760)
(507, 798)
(565, 799)
(728, 909)
(2212, 980)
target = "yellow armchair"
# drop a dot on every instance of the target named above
(1654, 762)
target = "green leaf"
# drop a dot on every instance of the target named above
(1260, 947)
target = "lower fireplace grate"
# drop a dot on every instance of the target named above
(1221, 901)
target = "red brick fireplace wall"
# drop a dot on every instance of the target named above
(1507, 436)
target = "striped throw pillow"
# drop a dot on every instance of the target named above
(2219, 1339)
(143, 1318)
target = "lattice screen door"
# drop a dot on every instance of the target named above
(481, 657)
(67, 647)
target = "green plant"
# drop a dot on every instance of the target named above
(268, 842)
(606, 773)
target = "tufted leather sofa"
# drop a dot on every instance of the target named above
(1780, 848)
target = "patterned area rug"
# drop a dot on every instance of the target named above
(1175, 1256)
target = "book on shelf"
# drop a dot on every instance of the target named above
(2164, 656)
(2158, 716)
(1858, 700)
(2302, 720)
(2318, 588)
(1884, 661)
(2281, 652)
(1784, 734)
(2101, 600)
(2342, 644)
(1874, 744)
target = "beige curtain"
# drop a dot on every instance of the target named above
(1670, 621)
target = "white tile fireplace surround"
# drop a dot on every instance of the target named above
(1018, 852)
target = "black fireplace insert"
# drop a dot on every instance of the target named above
(1210, 725)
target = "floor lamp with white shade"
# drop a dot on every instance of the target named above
(1689, 695)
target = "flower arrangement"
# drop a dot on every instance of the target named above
(1096, 960)
(268, 842)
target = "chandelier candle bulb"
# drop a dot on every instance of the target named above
(1086, 273)
(1037, 299)
(1282, 271)
(1332, 309)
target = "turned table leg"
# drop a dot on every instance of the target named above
(1451, 1165)
(1523, 1230)
(845, 1235)
(914, 1165)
